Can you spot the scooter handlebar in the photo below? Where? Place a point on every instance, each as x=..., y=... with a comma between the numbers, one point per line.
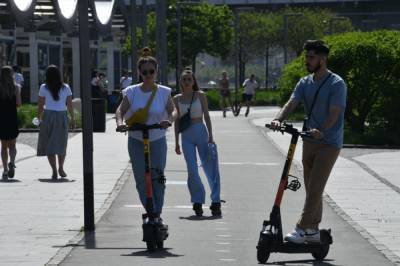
x=288, y=128
x=140, y=127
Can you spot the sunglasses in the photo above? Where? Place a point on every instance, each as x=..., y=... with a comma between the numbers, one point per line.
x=148, y=72
x=187, y=79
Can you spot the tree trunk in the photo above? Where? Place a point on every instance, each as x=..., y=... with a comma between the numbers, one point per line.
x=194, y=64
x=266, y=66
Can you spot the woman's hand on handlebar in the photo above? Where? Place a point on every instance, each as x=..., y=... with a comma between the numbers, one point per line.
x=165, y=124
x=275, y=124
x=122, y=128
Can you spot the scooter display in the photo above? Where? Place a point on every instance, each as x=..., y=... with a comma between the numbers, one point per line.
x=271, y=237
x=154, y=231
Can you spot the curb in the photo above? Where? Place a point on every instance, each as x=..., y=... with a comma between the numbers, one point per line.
x=341, y=213
x=65, y=251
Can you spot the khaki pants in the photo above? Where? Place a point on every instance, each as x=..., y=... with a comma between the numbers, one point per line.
x=318, y=161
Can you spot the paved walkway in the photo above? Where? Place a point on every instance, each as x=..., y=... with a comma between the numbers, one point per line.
x=250, y=170
x=38, y=217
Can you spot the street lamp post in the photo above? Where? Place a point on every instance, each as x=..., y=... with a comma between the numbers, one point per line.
x=237, y=53
x=179, y=37
x=236, y=104
x=285, y=32
x=133, y=42
x=87, y=121
x=144, y=23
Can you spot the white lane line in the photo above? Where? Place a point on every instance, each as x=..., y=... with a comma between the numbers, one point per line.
x=249, y=163
x=227, y=259
x=172, y=182
x=220, y=222
x=165, y=207
x=223, y=243
x=224, y=235
x=223, y=251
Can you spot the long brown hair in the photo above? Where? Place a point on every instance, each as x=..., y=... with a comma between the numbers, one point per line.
x=185, y=72
x=54, y=81
x=7, y=83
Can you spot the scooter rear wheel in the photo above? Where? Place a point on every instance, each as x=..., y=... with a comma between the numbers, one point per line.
x=326, y=241
x=264, y=247
x=160, y=244
x=151, y=246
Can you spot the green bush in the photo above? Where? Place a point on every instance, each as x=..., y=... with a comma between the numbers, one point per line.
x=27, y=112
x=369, y=62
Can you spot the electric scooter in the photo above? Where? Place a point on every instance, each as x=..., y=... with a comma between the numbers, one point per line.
x=154, y=231
x=271, y=238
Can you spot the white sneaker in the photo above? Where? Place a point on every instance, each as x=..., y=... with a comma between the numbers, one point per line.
x=297, y=236
x=313, y=235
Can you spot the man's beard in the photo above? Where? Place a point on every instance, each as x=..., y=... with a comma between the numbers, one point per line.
x=316, y=69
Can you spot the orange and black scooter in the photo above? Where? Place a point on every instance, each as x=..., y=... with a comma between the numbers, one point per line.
x=271, y=237
x=154, y=231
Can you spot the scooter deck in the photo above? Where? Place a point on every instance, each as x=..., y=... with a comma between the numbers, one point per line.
x=288, y=247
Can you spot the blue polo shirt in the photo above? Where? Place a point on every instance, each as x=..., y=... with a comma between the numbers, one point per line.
x=333, y=92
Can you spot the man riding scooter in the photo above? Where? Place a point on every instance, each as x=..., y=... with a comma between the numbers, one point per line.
x=323, y=94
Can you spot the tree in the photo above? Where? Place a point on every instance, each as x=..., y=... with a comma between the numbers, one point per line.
x=312, y=24
x=205, y=28
x=258, y=32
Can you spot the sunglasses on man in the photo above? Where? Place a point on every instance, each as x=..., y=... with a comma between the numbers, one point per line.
x=148, y=72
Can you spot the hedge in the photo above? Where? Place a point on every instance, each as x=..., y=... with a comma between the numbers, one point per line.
x=369, y=62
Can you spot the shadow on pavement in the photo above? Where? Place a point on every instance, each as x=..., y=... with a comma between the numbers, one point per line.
x=9, y=181
x=159, y=254
x=60, y=180
x=200, y=218
x=310, y=262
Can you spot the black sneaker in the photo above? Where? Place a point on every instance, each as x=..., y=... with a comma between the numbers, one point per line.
x=198, y=209
x=216, y=209
x=11, y=171
x=247, y=113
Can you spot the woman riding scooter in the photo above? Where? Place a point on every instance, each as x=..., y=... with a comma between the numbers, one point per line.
x=161, y=110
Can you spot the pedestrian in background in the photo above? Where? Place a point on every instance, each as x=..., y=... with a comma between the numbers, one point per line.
x=10, y=99
x=196, y=135
x=225, y=93
x=55, y=98
x=250, y=85
x=18, y=77
x=126, y=79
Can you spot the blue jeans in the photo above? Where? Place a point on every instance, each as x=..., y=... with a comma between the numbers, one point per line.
x=158, y=158
x=196, y=136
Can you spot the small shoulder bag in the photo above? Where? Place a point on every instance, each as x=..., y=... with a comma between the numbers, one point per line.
x=305, y=121
x=185, y=121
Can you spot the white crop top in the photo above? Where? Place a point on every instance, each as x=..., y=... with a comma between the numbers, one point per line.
x=50, y=103
x=196, y=111
x=157, y=112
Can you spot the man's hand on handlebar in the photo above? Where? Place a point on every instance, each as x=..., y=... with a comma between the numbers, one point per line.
x=316, y=134
x=165, y=124
x=275, y=124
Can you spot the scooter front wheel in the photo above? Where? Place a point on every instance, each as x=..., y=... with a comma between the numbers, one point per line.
x=326, y=241
x=264, y=247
